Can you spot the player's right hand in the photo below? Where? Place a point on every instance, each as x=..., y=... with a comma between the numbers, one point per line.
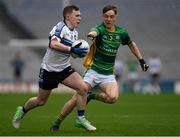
x=92, y=35
x=81, y=52
x=143, y=64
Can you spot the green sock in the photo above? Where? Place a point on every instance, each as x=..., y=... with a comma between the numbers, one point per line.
x=57, y=122
x=92, y=95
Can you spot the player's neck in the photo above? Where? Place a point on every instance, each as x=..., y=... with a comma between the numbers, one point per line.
x=68, y=24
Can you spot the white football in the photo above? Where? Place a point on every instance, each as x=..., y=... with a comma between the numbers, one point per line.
x=84, y=44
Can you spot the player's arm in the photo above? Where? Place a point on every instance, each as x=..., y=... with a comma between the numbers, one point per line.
x=135, y=50
x=57, y=45
x=56, y=36
x=93, y=33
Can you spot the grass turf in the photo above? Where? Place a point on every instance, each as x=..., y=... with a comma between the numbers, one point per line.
x=131, y=115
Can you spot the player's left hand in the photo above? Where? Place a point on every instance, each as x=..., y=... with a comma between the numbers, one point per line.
x=143, y=64
x=81, y=52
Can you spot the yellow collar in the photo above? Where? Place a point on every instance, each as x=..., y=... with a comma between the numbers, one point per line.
x=112, y=29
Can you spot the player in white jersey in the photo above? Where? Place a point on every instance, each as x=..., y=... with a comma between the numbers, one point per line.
x=155, y=70
x=56, y=67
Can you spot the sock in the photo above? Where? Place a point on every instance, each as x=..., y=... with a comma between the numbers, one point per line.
x=57, y=122
x=61, y=117
x=91, y=95
x=80, y=114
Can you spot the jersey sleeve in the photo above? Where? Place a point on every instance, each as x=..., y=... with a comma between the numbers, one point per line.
x=96, y=29
x=126, y=40
x=57, y=32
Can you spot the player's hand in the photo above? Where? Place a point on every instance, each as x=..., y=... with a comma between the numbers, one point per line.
x=81, y=52
x=92, y=35
x=143, y=64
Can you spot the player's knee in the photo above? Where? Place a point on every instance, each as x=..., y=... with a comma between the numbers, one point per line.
x=113, y=99
x=84, y=89
x=74, y=99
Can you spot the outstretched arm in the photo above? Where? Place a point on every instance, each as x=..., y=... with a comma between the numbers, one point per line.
x=135, y=50
x=92, y=34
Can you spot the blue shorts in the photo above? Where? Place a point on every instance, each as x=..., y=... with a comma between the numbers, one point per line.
x=51, y=80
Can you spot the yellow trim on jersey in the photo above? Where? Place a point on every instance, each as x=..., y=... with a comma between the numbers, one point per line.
x=113, y=29
x=89, y=57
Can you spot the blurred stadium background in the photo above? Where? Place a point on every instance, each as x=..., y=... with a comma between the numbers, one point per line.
x=153, y=24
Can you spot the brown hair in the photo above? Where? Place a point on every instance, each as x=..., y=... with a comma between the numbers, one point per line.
x=109, y=7
x=69, y=9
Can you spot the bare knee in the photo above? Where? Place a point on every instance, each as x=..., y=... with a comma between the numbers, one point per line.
x=84, y=89
x=74, y=99
x=112, y=99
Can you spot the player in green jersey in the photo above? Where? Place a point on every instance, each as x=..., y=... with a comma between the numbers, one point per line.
x=100, y=62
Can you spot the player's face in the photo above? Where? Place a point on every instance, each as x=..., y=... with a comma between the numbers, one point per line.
x=109, y=18
x=74, y=18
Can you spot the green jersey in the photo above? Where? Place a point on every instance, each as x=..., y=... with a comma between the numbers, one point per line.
x=101, y=57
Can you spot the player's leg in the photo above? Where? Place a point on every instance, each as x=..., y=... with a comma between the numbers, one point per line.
x=40, y=100
x=90, y=77
x=107, y=84
x=64, y=112
x=79, y=100
x=68, y=107
x=33, y=102
x=46, y=84
x=75, y=81
x=110, y=92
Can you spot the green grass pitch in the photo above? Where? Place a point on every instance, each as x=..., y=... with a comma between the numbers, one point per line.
x=131, y=115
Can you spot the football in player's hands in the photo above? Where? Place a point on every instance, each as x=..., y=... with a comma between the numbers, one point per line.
x=79, y=48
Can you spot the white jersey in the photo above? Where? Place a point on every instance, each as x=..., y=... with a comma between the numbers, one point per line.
x=56, y=60
x=155, y=65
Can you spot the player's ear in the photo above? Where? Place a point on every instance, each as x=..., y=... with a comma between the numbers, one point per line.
x=67, y=17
